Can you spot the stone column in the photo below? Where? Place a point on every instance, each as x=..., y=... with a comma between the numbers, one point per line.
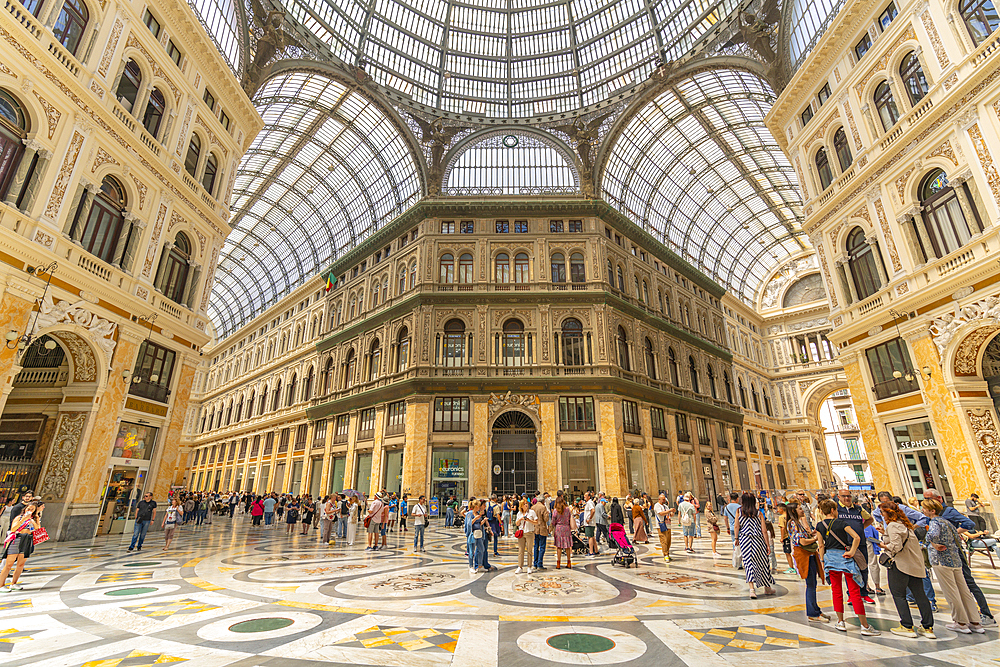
x=191, y=291
x=52, y=13
x=127, y=229
x=415, y=478
x=128, y=258
x=908, y=225
x=76, y=229
x=914, y=213
x=42, y=166
x=963, y=200
x=31, y=147
x=612, y=474
x=158, y=276
x=14, y=310
x=548, y=452
x=480, y=476
x=872, y=242
x=877, y=445
x=843, y=270
x=378, y=470
x=169, y=467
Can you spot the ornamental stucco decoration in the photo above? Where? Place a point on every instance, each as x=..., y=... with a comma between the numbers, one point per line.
x=984, y=311
x=988, y=440
x=785, y=275
x=67, y=439
x=100, y=330
x=527, y=402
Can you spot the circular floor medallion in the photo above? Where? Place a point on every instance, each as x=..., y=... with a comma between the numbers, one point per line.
x=580, y=642
x=145, y=563
x=261, y=624
x=142, y=590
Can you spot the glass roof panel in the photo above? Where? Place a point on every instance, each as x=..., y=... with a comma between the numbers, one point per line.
x=709, y=191
x=810, y=19
x=328, y=168
x=502, y=163
x=221, y=20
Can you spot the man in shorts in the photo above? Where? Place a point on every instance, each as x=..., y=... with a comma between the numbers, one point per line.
x=590, y=524
x=374, y=519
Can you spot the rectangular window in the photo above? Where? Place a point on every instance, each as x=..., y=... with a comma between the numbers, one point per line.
x=630, y=418
x=737, y=442
x=659, y=423
x=775, y=447
x=174, y=53
x=209, y=99
x=286, y=435
x=556, y=226
x=153, y=369
x=702, y=425
x=151, y=22
x=520, y=226
x=468, y=227
x=576, y=413
x=885, y=361
x=268, y=443
x=824, y=93
x=751, y=443
x=451, y=414
x=366, y=424
x=395, y=418
x=861, y=48
x=448, y=227
x=255, y=447
x=683, y=435
x=807, y=115
x=343, y=425
x=852, y=448
x=319, y=433
x=763, y=444
x=575, y=226
x=886, y=17
x=503, y=227
x=301, y=434
x=224, y=119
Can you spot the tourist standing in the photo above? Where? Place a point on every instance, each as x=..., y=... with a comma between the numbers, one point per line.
x=905, y=571
x=562, y=530
x=171, y=518
x=525, y=533
x=944, y=550
x=291, y=516
x=601, y=521
x=269, y=506
x=840, y=544
x=639, y=523
x=257, y=510
x=328, y=514
x=662, y=512
x=749, y=531
x=804, y=542
x=541, y=532
x=19, y=544
x=145, y=513
x=419, y=514
x=713, y=526
x=688, y=513
x=353, y=512
x=731, y=512
x=474, y=534
x=858, y=519
x=493, y=518
x=372, y=522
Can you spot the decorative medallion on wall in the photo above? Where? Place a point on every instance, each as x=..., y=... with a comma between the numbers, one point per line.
x=527, y=402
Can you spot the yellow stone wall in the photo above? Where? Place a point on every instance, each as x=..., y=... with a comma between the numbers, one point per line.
x=415, y=458
x=548, y=454
x=612, y=474
x=480, y=475
x=877, y=447
x=170, y=468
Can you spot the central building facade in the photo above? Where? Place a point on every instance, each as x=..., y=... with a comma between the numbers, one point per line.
x=472, y=347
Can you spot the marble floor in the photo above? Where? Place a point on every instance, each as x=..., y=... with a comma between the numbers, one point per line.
x=236, y=595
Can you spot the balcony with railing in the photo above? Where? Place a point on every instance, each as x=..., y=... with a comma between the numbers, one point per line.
x=895, y=387
x=150, y=390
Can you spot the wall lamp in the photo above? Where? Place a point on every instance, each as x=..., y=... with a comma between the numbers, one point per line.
x=22, y=341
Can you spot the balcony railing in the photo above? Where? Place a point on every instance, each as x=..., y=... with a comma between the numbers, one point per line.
x=895, y=387
x=150, y=390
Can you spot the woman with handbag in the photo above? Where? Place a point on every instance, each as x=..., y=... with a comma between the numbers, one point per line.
x=806, y=559
x=713, y=526
x=639, y=535
x=562, y=529
x=524, y=531
x=945, y=552
x=904, y=562
x=840, y=544
x=750, y=533
x=353, y=510
x=18, y=545
x=475, y=535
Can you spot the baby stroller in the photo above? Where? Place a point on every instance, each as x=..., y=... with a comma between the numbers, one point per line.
x=625, y=556
x=580, y=548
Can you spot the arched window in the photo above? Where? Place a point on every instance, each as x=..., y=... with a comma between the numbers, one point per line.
x=173, y=283
x=611, y=273
x=572, y=343
x=621, y=280
x=374, y=360
x=71, y=25
x=153, y=116
x=312, y=329
x=13, y=132
x=711, y=382
x=650, y=358
x=503, y=268
x=638, y=294
x=521, y=268
x=862, y=264
x=980, y=17
x=577, y=269
x=756, y=397
x=349, y=365
x=645, y=293
x=33, y=6
x=413, y=275
x=672, y=367
x=307, y=387
x=729, y=386
x=843, y=150
x=250, y=402
x=276, y=396
x=375, y=293
x=743, y=394
x=328, y=377
x=558, y=265
x=886, y=106
x=942, y=213
x=105, y=221
x=290, y=396
x=193, y=156
x=447, y=274
x=298, y=336
x=402, y=281
x=211, y=171
x=513, y=343
x=623, y=356
x=453, y=350
x=693, y=370
x=354, y=304
x=263, y=401
x=914, y=81
x=129, y=84
x=767, y=403
x=823, y=169
x=465, y=269
x=403, y=350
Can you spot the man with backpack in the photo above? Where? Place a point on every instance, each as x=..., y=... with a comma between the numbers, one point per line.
x=493, y=519
x=731, y=511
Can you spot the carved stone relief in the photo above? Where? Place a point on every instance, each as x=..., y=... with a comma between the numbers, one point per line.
x=69, y=431
x=529, y=402
x=62, y=180
x=52, y=115
x=100, y=330
x=988, y=440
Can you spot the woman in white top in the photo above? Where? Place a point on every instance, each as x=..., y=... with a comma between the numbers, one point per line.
x=352, y=520
x=526, y=519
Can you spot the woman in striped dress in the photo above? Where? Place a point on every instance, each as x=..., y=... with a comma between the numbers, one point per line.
x=753, y=546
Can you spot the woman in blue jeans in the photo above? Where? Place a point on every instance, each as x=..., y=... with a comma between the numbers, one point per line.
x=475, y=534
x=419, y=514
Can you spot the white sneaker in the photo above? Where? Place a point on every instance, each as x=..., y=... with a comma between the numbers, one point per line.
x=529, y=570
x=473, y=570
x=964, y=629
x=517, y=571
x=869, y=631
x=840, y=625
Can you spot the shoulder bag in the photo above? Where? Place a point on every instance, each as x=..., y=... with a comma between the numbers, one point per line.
x=40, y=535
x=887, y=561
x=860, y=559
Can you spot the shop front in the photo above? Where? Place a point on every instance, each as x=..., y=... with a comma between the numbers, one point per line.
x=130, y=456
x=449, y=474
x=579, y=471
x=921, y=466
x=393, y=480
x=363, y=474
x=709, y=478
x=337, y=467
x=662, y=460
x=633, y=471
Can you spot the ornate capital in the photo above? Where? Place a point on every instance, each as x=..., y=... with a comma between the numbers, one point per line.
x=45, y=154
x=871, y=239
x=873, y=194
x=32, y=145
x=911, y=212
x=961, y=177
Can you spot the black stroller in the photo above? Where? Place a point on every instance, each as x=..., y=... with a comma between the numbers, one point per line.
x=625, y=555
x=580, y=547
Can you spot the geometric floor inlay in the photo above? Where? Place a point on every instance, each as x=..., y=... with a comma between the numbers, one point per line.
x=161, y=610
x=428, y=640
x=134, y=659
x=752, y=638
x=11, y=636
x=124, y=576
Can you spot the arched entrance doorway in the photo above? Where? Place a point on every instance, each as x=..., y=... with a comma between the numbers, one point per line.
x=515, y=454
x=991, y=371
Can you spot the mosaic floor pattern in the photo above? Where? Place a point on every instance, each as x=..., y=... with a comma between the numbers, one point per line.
x=235, y=595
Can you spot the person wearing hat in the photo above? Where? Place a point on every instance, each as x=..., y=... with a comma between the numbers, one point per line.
x=686, y=510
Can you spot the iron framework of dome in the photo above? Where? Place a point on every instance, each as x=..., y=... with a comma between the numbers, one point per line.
x=368, y=106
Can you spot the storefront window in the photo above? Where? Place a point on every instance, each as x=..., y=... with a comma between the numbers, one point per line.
x=449, y=474
x=337, y=475
x=363, y=474
x=579, y=471
x=633, y=470
x=919, y=458
x=262, y=486
x=394, y=471
x=662, y=471
x=134, y=441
